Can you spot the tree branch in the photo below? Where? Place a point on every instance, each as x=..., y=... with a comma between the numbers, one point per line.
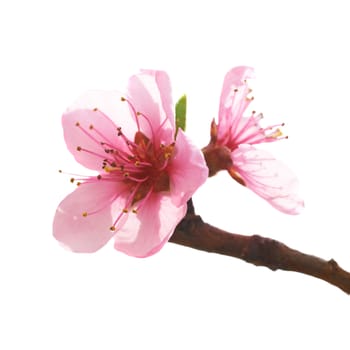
x=193, y=232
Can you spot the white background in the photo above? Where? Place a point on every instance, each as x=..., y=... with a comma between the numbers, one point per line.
x=180, y=298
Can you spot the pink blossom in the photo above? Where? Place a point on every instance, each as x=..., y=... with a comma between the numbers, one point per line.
x=144, y=176
x=231, y=146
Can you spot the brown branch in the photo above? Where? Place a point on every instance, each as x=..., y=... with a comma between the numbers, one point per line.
x=193, y=232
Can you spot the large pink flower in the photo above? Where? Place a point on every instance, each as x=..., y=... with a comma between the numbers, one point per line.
x=231, y=147
x=144, y=176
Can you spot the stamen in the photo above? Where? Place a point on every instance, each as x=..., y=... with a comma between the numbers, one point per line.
x=142, y=202
x=149, y=124
x=133, y=111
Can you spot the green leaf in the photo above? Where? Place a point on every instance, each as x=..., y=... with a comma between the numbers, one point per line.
x=180, y=113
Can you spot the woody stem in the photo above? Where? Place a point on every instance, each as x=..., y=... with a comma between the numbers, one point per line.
x=193, y=232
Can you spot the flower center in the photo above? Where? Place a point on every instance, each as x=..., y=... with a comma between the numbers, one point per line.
x=144, y=169
x=140, y=164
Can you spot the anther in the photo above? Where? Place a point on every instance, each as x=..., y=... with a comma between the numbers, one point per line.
x=138, y=113
x=85, y=214
x=79, y=148
x=123, y=99
x=112, y=228
x=99, y=177
x=95, y=109
x=72, y=180
x=77, y=124
x=60, y=171
x=134, y=211
x=91, y=127
x=125, y=210
x=78, y=183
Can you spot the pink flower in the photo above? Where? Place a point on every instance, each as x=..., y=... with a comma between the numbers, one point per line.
x=231, y=147
x=144, y=176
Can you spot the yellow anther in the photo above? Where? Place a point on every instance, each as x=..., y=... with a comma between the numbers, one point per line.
x=277, y=133
x=85, y=214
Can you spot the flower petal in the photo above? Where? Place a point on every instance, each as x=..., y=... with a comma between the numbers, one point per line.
x=150, y=94
x=109, y=103
x=233, y=100
x=146, y=232
x=268, y=177
x=187, y=171
x=84, y=131
x=90, y=233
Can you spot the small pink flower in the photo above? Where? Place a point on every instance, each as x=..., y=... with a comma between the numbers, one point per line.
x=144, y=176
x=231, y=147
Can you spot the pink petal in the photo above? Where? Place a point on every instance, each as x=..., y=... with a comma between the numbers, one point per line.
x=92, y=153
x=233, y=104
x=86, y=234
x=187, y=171
x=111, y=104
x=146, y=232
x=268, y=177
x=150, y=94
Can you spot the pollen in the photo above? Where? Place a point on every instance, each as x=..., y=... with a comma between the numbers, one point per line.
x=276, y=133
